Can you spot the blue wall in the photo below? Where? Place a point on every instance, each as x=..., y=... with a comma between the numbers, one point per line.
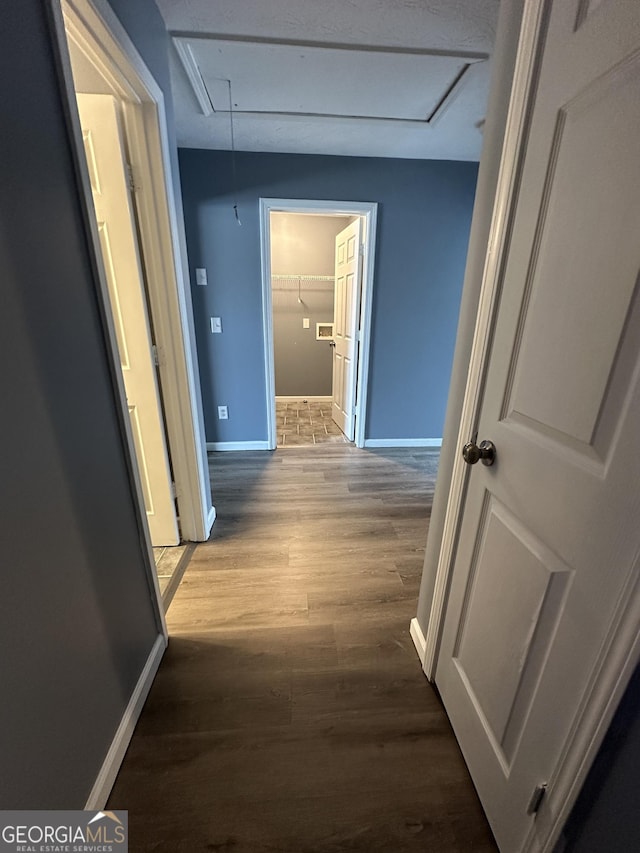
x=78, y=622
x=424, y=216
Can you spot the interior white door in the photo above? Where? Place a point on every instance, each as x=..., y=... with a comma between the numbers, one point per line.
x=550, y=540
x=348, y=272
x=103, y=142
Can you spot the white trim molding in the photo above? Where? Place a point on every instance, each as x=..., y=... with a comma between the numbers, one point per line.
x=418, y=638
x=190, y=65
x=238, y=445
x=403, y=442
x=113, y=760
x=369, y=212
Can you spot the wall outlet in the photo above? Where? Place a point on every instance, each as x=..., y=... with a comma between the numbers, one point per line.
x=201, y=277
x=305, y=322
x=223, y=413
x=216, y=325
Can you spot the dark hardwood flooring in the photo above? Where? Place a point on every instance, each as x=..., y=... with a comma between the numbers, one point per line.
x=290, y=712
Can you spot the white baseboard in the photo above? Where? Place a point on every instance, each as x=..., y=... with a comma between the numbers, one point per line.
x=111, y=765
x=238, y=445
x=211, y=519
x=280, y=399
x=403, y=442
x=418, y=639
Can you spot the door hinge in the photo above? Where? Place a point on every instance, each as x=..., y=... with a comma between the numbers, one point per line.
x=536, y=798
x=174, y=491
x=361, y=250
x=156, y=357
x=132, y=182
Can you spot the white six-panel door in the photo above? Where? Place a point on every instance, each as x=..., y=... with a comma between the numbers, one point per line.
x=550, y=540
x=346, y=320
x=106, y=162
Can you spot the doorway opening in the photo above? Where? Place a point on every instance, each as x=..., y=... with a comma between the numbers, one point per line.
x=108, y=155
x=317, y=285
x=303, y=259
x=120, y=137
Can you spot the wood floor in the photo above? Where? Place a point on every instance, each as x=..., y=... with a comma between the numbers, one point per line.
x=171, y=562
x=290, y=712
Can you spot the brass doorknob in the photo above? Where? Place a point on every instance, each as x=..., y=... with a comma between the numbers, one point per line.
x=485, y=453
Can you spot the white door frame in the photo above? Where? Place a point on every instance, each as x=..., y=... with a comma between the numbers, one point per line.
x=96, y=29
x=621, y=652
x=368, y=210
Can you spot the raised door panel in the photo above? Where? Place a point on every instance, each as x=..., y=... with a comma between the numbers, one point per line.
x=584, y=336
x=339, y=328
x=114, y=296
x=517, y=579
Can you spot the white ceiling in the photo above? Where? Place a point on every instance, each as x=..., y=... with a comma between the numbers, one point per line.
x=376, y=78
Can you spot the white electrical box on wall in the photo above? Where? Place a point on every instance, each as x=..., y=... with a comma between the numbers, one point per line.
x=324, y=331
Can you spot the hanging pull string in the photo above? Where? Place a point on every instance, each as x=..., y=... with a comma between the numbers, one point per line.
x=234, y=178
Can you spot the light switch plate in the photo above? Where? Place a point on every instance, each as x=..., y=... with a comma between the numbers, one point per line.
x=305, y=322
x=216, y=325
x=201, y=277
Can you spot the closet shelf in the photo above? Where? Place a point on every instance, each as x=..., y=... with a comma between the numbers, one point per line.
x=302, y=283
x=302, y=277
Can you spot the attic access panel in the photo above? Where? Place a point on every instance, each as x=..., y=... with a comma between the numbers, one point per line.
x=318, y=80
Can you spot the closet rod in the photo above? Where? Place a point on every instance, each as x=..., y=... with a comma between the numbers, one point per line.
x=304, y=277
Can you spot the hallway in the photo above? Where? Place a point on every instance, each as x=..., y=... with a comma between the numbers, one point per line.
x=290, y=712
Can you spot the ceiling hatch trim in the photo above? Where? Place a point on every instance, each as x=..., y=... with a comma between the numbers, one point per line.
x=306, y=79
x=190, y=66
